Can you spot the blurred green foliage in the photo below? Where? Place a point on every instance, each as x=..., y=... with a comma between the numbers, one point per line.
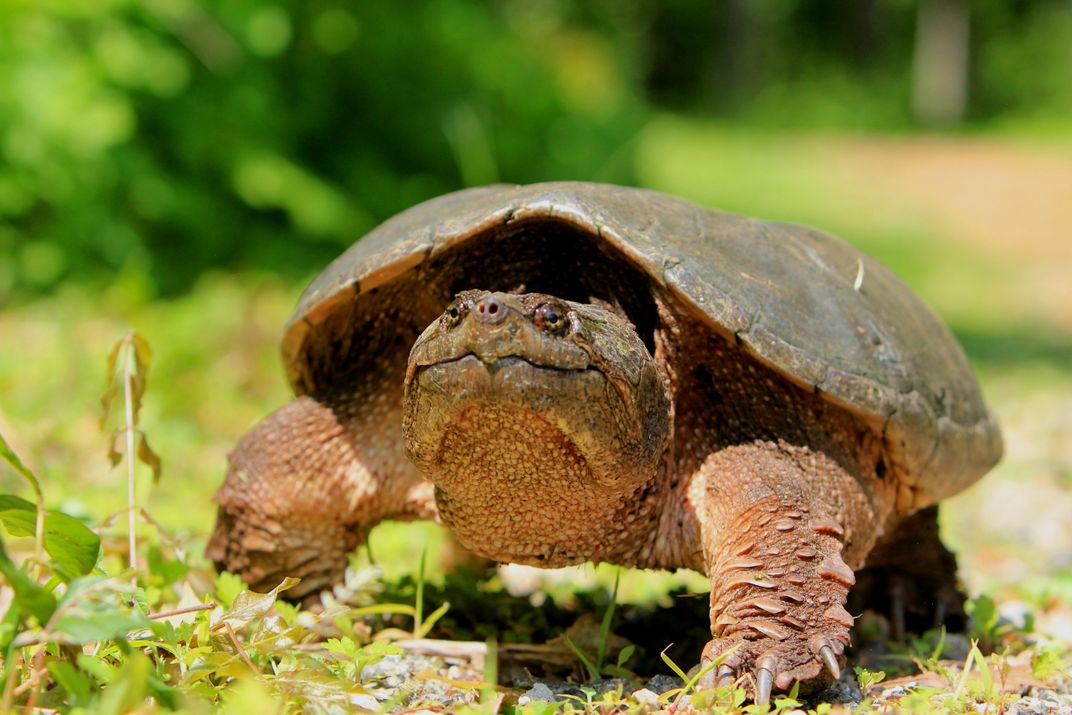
x=145, y=141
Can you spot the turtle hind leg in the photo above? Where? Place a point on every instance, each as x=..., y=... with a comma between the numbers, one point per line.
x=910, y=577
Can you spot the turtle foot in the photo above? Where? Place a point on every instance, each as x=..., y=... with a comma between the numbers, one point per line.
x=769, y=665
x=778, y=609
x=910, y=578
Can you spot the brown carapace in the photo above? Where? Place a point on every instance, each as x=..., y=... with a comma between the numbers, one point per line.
x=671, y=388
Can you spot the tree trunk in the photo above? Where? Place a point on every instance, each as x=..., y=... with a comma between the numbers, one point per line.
x=941, y=62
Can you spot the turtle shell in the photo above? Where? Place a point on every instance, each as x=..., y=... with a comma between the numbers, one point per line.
x=806, y=304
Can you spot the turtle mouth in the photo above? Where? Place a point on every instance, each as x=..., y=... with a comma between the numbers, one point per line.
x=494, y=365
x=515, y=378
x=494, y=361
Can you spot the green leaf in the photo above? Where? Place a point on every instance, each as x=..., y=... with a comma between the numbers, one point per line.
x=18, y=515
x=94, y=609
x=433, y=618
x=143, y=358
x=1049, y=661
x=868, y=678
x=148, y=457
x=228, y=586
x=126, y=691
x=673, y=666
x=342, y=646
x=608, y=616
x=100, y=669
x=984, y=615
x=593, y=671
x=95, y=623
x=166, y=571
x=29, y=597
x=115, y=448
x=625, y=654
x=374, y=652
x=248, y=606
x=73, y=546
x=76, y=683
x=9, y=456
x=112, y=390
x=9, y=627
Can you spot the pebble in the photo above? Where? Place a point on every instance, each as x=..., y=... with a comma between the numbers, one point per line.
x=645, y=697
x=537, y=693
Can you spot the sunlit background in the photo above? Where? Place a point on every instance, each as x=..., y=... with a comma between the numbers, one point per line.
x=184, y=169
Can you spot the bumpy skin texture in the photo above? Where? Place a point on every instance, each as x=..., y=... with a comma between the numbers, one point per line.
x=596, y=414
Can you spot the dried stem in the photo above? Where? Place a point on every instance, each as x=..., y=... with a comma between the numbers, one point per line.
x=180, y=611
x=128, y=398
x=9, y=685
x=241, y=651
x=34, y=677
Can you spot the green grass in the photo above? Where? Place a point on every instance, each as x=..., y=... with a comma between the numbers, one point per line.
x=216, y=372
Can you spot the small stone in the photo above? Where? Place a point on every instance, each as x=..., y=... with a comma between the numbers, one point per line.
x=537, y=693
x=662, y=683
x=645, y=697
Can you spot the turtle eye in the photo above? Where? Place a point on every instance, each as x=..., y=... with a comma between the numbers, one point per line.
x=454, y=314
x=550, y=319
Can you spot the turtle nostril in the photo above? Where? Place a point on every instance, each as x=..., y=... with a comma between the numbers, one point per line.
x=490, y=309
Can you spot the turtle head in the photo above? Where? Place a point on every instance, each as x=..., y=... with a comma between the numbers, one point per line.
x=504, y=387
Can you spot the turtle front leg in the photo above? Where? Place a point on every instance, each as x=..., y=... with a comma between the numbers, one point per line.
x=783, y=528
x=303, y=489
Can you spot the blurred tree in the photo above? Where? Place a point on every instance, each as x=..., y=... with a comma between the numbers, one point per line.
x=151, y=139
x=869, y=64
x=941, y=61
x=165, y=137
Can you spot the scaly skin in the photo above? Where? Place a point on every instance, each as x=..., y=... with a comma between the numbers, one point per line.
x=306, y=484
x=556, y=438
x=779, y=519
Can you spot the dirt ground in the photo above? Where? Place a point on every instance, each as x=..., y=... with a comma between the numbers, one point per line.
x=1008, y=202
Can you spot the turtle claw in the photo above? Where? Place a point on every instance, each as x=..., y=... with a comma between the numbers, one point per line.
x=726, y=676
x=826, y=654
x=764, y=680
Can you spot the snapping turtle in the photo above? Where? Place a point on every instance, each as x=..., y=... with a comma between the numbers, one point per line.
x=568, y=372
